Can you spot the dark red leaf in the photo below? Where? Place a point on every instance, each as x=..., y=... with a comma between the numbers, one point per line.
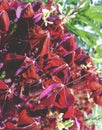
x=31, y=73
x=53, y=62
x=4, y=5
x=59, y=68
x=37, y=6
x=11, y=57
x=12, y=63
x=79, y=53
x=49, y=82
x=22, y=69
x=47, y=102
x=3, y=86
x=27, y=12
x=98, y=100
x=10, y=125
x=4, y=21
x=62, y=72
x=46, y=46
x=93, y=85
x=38, y=36
x=55, y=29
x=70, y=43
x=24, y=119
x=69, y=58
x=46, y=128
x=49, y=4
x=69, y=113
x=64, y=99
x=49, y=90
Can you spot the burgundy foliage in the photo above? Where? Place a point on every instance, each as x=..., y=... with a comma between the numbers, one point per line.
x=45, y=70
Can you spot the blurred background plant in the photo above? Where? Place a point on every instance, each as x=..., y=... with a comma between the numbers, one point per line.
x=84, y=19
x=95, y=118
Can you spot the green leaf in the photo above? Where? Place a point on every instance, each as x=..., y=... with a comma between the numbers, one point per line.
x=90, y=23
x=74, y=2
x=97, y=60
x=68, y=123
x=98, y=52
x=85, y=7
x=94, y=9
x=95, y=13
x=88, y=37
x=28, y=0
x=95, y=16
x=3, y=74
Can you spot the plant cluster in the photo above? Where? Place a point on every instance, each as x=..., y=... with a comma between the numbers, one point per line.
x=47, y=81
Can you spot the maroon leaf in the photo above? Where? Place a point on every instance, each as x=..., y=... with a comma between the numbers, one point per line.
x=22, y=69
x=46, y=46
x=12, y=63
x=53, y=61
x=58, y=69
x=70, y=44
x=4, y=21
x=69, y=58
x=10, y=57
x=79, y=53
x=98, y=100
x=10, y=125
x=3, y=86
x=49, y=3
x=37, y=6
x=69, y=113
x=4, y=5
x=62, y=72
x=27, y=12
x=56, y=33
x=64, y=99
x=24, y=119
x=93, y=85
x=48, y=90
x=47, y=102
x=37, y=38
x=30, y=73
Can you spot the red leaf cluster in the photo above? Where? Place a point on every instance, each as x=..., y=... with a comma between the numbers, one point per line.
x=45, y=70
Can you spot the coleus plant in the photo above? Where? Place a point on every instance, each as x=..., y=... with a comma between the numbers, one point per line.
x=47, y=81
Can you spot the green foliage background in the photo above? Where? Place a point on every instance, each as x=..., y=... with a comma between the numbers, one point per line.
x=84, y=19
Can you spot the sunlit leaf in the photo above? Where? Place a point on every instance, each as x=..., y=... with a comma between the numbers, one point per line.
x=95, y=13
x=90, y=23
